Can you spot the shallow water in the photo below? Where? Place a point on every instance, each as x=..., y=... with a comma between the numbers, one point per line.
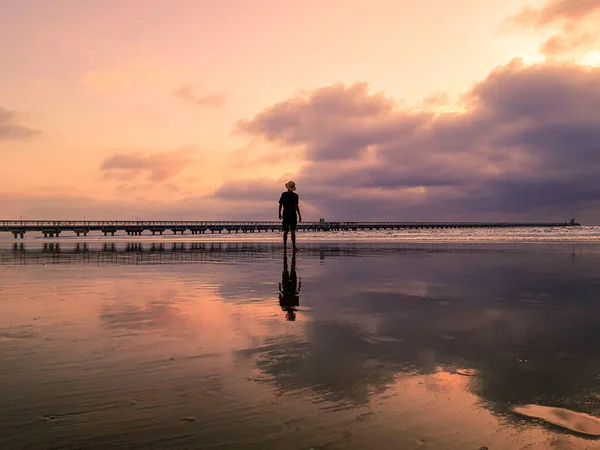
x=375, y=345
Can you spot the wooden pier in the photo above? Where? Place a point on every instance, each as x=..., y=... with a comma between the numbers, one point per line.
x=53, y=228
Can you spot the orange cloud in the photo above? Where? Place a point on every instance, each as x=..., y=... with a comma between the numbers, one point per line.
x=158, y=166
x=578, y=20
x=557, y=10
x=188, y=92
x=11, y=129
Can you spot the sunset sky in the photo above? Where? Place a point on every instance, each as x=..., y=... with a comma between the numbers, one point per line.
x=379, y=109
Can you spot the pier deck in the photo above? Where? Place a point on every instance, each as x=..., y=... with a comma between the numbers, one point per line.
x=53, y=228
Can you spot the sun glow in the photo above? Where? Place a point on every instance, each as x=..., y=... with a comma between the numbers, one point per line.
x=591, y=59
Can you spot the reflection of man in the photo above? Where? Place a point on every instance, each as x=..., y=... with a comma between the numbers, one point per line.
x=289, y=289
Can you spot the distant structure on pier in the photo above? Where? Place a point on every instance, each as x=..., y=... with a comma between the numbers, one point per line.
x=53, y=228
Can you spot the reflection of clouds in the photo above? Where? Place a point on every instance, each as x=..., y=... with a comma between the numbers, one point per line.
x=507, y=327
x=238, y=283
x=335, y=375
x=153, y=313
x=413, y=288
x=525, y=322
x=516, y=349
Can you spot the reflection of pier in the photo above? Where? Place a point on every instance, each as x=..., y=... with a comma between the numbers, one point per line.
x=132, y=252
x=53, y=228
x=181, y=252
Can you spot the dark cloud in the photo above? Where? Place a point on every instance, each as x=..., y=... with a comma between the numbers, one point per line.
x=158, y=166
x=187, y=92
x=576, y=18
x=10, y=129
x=334, y=122
x=524, y=140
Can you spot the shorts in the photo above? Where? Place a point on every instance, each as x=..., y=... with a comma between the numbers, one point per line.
x=288, y=224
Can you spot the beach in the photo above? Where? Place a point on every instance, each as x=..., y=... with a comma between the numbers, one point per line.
x=435, y=162
x=211, y=343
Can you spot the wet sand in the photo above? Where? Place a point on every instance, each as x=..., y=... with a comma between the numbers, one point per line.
x=368, y=346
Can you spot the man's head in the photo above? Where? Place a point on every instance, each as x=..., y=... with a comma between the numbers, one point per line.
x=290, y=185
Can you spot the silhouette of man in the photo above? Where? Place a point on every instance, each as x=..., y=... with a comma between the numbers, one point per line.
x=289, y=202
x=289, y=289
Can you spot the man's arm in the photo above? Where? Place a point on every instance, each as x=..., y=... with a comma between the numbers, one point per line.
x=280, y=205
x=298, y=211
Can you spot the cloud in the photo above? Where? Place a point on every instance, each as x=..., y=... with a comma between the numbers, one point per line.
x=577, y=19
x=188, y=92
x=329, y=122
x=555, y=11
x=158, y=167
x=565, y=43
x=521, y=144
x=10, y=129
x=525, y=140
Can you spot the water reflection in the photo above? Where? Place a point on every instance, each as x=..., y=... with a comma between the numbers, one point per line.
x=289, y=289
x=523, y=327
x=72, y=252
x=414, y=342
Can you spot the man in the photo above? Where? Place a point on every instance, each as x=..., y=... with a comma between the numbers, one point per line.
x=289, y=202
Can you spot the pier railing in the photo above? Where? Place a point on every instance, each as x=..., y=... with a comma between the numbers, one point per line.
x=94, y=223
x=52, y=228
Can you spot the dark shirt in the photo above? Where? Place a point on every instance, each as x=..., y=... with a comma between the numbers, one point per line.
x=289, y=200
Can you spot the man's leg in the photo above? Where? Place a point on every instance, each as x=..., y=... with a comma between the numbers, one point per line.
x=285, y=232
x=293, y=239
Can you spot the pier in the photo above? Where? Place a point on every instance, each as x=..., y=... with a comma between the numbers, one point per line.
x=54, y=228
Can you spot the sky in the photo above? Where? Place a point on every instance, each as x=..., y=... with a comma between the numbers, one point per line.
x=379, y=109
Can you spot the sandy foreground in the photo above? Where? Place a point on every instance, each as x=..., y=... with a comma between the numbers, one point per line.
x=386, y=350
